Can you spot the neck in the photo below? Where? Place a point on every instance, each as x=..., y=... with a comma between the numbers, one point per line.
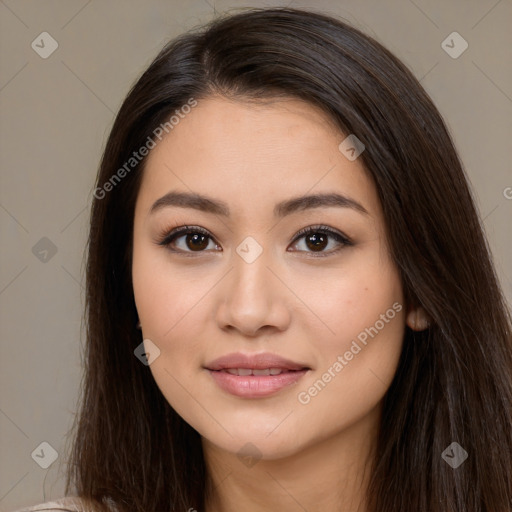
x=328, y=475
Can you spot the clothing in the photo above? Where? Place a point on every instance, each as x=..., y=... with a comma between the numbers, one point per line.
x=62, y=505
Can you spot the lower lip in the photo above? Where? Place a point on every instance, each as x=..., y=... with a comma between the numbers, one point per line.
x=255, y=386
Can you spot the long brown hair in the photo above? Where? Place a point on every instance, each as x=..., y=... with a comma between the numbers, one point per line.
x=453, y=383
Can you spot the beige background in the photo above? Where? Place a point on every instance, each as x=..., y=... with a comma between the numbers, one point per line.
x=55, y=116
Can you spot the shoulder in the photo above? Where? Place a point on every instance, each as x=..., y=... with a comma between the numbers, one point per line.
x=62, y=505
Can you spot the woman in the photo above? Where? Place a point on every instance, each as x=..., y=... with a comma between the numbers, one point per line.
x=291, y=303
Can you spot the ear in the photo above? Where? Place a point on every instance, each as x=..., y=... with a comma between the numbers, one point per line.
x=417, y=318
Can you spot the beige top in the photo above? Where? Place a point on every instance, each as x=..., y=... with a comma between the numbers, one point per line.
x=63, y=505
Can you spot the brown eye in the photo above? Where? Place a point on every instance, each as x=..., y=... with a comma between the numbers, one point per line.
x=317, y=239
x=195, y=239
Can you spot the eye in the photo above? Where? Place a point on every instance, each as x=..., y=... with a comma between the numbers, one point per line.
x=195, y=239
x=316, y=238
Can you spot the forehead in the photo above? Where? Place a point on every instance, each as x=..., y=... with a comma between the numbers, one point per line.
x=269, y=128
x=250, y=154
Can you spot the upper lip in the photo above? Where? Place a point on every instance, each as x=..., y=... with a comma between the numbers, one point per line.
x=255, y=362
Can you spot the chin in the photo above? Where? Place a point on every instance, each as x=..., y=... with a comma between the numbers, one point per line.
x=256, y=439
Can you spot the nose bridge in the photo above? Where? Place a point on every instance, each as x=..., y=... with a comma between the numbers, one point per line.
x=251, y=277
x=252, y=299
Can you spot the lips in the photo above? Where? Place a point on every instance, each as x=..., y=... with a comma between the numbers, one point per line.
x=254, y=371
x=255, y=376
x=265, y=361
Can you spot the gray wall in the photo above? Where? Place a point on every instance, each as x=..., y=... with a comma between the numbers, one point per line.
x=56, y=113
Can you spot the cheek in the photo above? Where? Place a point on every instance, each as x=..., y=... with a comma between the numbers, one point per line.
x=359, y=353
x=351, y=301
x=166, y=297
x=358, y=362
x=169, y=305
x=174, y=308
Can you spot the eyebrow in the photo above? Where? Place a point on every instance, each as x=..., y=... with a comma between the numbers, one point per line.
x=289, y=206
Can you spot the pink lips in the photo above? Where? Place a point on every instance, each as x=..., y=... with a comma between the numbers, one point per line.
x=255, y=376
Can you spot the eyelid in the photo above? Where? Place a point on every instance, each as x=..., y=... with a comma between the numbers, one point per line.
x=341, y=238
x=321, y=228
x=169, y=236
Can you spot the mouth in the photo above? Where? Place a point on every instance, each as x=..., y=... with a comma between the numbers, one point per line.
x=244, y=372
x=255, y=376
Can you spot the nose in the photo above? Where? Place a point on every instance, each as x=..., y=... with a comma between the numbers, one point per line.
x=252, y=300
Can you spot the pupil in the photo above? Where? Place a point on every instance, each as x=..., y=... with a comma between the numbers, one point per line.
x=197, y=237
x=318, y=240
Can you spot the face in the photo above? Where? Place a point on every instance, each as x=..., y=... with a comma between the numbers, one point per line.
x=279, y=320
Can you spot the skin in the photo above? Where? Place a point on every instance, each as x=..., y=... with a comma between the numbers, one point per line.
x=289, y=301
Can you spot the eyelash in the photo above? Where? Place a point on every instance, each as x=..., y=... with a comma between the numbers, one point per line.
x=168, y=237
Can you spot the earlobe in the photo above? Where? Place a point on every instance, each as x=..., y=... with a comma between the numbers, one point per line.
x=417, y=319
